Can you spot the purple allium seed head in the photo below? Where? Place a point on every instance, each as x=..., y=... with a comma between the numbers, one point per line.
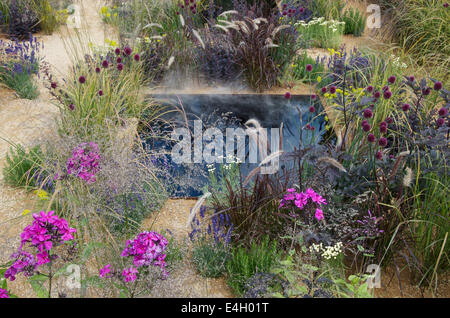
x=285, y=6
x=440, y=122
x=426, y=91
x=412, y=78
x=383, y=129
x=369, y=88
x=117, y=51
x=313, y=97
x=323, y=90
x=385, y=88
x=284, y=13
x=100, y=93
x=127, y=50
x=308, y=127
x=371, y=138
x=364, y=122
x=367, y=113
x=53, y=85
x=97, y=69
x=302, y=10
x=382, y=142
x=312, y=109
x=105, y=64
x=287, y=95
x=437, y=86
x=82, y=79
x=446, y=5
x=406, y=107
x=392, y=79
x=333, y=89
x=120, y=66
x=379, y=155
x=443, y=112
x=309, y=68
x=119, y=60
x=71, y=106
x=366, y=127
x=137, y=57
x=389, y=120
x=387, y=94
x=377, y=94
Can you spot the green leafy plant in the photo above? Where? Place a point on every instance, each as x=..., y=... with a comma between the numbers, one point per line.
x=355, y=287
x=354, y=22
x=22, y=167
x=244, y=263
x=299, y=72
x=320, y=33
x=330, y=9
x=210, y=257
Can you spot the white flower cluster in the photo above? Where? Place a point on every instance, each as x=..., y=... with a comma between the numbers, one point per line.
x=332, y=24
x=396, y=61
x=327, y=252
x=230, y=160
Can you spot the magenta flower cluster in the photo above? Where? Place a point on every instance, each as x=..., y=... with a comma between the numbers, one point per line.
x=46, y=232
x=147, y=249
x=301, y=199
x=3, y=293
x=84, y=162
x=189, y=4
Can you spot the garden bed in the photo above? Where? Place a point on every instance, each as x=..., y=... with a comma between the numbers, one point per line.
x=92, y=114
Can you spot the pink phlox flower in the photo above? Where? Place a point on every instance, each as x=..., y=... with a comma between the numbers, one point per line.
x=319, y=215
x=3, y=293
x=42, y=258
x=105, y=271
x=130, y=274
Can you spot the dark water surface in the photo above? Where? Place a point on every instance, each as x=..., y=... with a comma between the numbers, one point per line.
x=231, y=111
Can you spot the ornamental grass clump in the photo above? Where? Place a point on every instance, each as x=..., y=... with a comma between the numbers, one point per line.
x=255, y=42
x=83, y=109
x=321, y=33
x=111, y=181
